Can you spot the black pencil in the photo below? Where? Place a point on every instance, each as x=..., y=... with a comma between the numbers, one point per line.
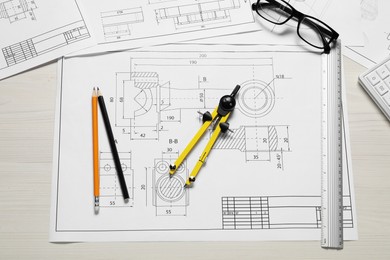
x=114, y=151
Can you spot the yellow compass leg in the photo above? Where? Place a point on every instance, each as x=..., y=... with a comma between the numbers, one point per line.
x=192, y=143
x=206, y=151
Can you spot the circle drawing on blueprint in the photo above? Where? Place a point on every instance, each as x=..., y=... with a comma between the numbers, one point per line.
x=124, y=167
x=256, y=99
x=107, y=167
x=162, y=167
x=181, y=168
x=170, y=189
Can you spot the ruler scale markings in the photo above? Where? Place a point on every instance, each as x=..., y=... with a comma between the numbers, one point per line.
x=331, y=172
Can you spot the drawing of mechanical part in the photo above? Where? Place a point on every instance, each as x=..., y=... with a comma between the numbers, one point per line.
x=256, y=98
x=259, y=143
x=169, y=195
x=200, y=14
x=16, y=10
x=136, y=104
x=144, y=104
x=117, y=24
x=110, y=190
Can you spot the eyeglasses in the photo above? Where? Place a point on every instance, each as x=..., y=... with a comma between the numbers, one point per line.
x=313, y=31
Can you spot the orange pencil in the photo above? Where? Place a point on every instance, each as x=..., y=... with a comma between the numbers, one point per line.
x=95, y=139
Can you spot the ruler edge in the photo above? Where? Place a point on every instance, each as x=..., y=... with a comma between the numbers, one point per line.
x=333, y=79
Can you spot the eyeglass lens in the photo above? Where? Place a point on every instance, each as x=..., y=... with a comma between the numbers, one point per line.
x=274, y=11
x=310, y=31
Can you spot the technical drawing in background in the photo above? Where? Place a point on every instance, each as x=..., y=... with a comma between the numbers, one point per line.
x=110, y=190
x=375, y=28
x=170, y=197
x=45, y=43
x=147, y=22
x=117, y=24
x=369, y=12
x=16, y=10
x=58, y=28
x=198, y=14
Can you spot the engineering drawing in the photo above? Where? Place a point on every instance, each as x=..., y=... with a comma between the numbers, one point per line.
x=200, y=13
x=110, y=190
x=44, y=43
x=117, y=24
x=147, y=105
x=150, y=22
x=261, y=180
x=169, y=195
x=260, y=143
x=16, y=10
x=39, y=31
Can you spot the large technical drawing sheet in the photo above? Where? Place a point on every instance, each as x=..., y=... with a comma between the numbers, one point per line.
x=126, y=24
x=260, y=182
x=37, y=31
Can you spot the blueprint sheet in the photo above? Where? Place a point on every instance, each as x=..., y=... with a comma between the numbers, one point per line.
x=126, y=24
x=261, y=182
x=37, y=31
x=129, y=24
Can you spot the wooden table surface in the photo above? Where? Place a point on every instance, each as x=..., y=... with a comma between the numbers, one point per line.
x=27, y=104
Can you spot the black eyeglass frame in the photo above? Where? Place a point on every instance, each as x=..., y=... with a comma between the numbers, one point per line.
x=332, y=34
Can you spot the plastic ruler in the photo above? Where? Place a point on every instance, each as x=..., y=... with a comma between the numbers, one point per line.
x=331, y=152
